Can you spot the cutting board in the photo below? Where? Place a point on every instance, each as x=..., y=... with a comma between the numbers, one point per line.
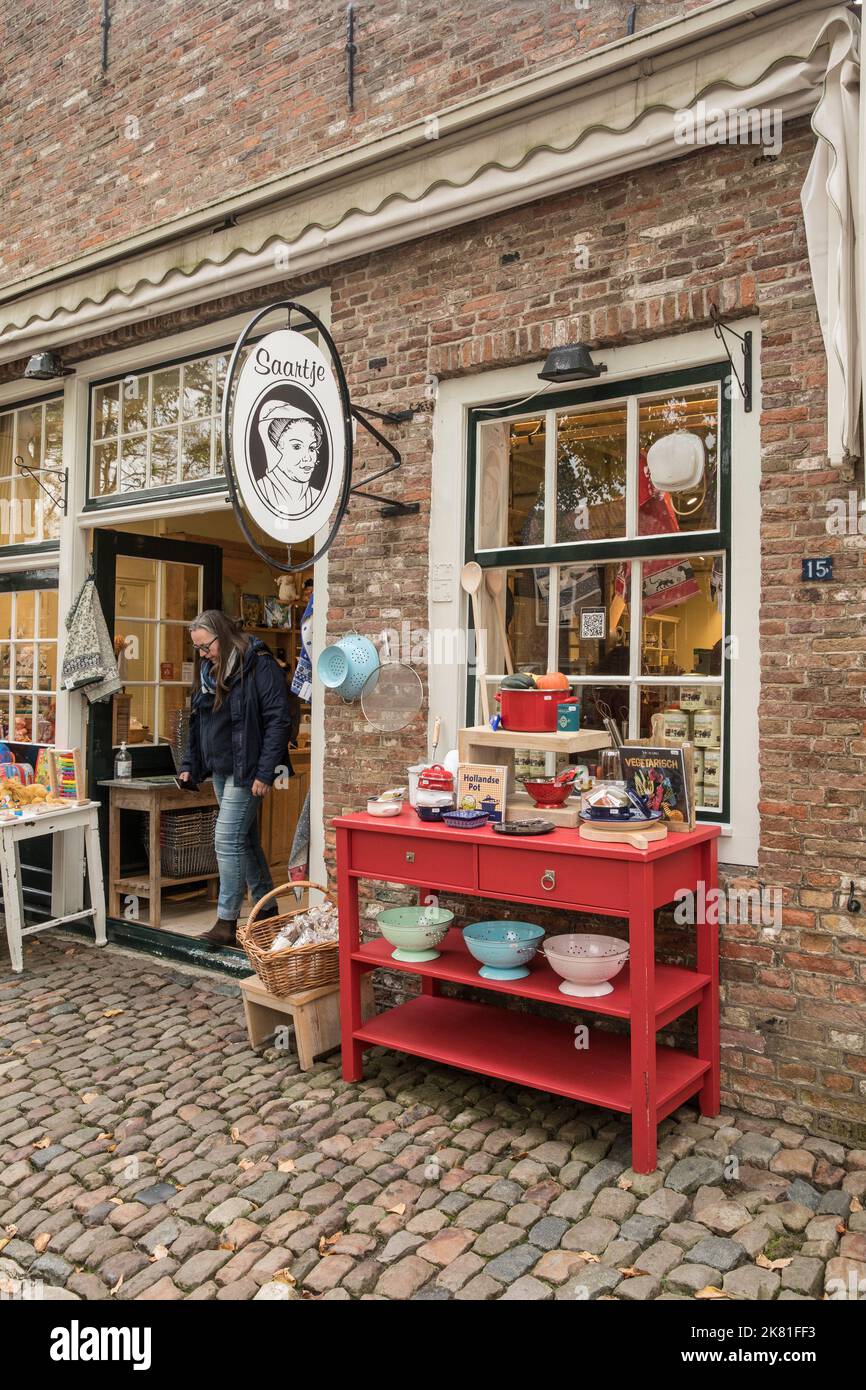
x=638, y=839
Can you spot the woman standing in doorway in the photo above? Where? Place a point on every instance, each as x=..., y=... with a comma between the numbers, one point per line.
x=238, y=736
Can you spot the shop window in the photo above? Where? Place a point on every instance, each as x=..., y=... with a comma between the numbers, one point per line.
x=156, y=600
x=157, y=429
x=31, y=435
x=28, y=665
x=608, y=514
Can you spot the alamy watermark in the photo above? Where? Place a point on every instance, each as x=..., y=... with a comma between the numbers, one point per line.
x=704, y=125
x=713, y=907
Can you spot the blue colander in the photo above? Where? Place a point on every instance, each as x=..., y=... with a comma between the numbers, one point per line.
x=347, y=665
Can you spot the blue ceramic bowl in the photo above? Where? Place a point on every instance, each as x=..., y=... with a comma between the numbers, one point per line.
x=504, y=948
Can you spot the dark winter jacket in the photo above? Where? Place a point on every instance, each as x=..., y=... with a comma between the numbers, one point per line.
x=260, y=718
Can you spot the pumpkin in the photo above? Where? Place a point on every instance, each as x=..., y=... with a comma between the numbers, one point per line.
x=554, y=680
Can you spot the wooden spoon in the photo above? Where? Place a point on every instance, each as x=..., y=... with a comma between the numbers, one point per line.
x=471, y=579
x=495, y=580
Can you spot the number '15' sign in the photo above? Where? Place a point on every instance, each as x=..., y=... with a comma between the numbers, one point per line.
x=817, y=569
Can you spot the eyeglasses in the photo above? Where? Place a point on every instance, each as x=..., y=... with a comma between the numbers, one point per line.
x=203, y=651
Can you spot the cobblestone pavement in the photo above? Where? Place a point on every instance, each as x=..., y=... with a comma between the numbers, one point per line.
x=147, y=1153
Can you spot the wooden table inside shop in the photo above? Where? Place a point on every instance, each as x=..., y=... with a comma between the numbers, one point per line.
x=151, y=798
x=629, y=1072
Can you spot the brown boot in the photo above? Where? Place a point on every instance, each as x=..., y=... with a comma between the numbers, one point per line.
x=223, y=933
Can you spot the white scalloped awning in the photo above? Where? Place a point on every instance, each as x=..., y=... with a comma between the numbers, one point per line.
x=798, y=60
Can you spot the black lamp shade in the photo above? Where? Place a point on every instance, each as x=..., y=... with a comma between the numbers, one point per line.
x=573, y=362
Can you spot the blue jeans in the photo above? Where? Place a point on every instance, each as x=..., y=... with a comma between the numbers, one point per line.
x=238, y=848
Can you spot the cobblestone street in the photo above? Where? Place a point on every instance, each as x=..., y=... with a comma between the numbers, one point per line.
x=148, y=1154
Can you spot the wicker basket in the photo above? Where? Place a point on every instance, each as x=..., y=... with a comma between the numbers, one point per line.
x=186, y=843
x=296, y=967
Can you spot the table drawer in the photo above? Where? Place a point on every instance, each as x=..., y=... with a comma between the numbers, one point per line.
x=556, y=878
x=413, y=860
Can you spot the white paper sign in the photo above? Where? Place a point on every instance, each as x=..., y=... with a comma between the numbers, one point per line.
x=288, y=436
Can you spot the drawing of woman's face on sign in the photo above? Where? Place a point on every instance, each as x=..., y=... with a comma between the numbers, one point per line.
x=288, y=439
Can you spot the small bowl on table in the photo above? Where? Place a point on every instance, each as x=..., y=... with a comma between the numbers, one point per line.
x=415, y=932
x=586, y=962
x=504, y=948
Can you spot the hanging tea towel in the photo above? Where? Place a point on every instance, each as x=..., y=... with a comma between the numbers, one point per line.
x=89, y=662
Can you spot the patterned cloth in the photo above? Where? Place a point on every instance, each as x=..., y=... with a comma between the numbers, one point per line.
x=89, y=662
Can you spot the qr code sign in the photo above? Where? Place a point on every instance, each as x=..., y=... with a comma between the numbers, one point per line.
x=592, y=623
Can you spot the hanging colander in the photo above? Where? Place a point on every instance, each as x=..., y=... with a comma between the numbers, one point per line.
x=348, y=665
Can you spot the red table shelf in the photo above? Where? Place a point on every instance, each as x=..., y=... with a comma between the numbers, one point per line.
x=530, y=1051
x=630, y=1072
x=677, y=989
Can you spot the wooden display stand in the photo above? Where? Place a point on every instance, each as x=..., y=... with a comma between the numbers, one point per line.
x=483, y=745
x=314, y=1014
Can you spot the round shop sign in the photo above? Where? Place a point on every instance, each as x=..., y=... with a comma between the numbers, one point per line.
x=288, y=436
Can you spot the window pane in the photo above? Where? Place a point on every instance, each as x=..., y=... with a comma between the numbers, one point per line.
x=139, y=640
x=590, y=474
x=48, y=613
x=25, y=614
x=525, y=607
x=135, y=590
x=105, y=411
x=22, y=668
x=5, y=717
x=511, y=483
x=175, y=648
x=22, y=718
x=594, y=620
x=133, y=403
x=133, y=463
x=195, y=451
x=163, y=458
x=140, y=713
x=171, y=698
x=47, y=666
x=5, y=664
x=166, y=396
x=25, y=511
x=104, y=469
x=46, y=715
x=29, y=443
x=596, y=701
x=180, y=592
x=678, y=480
x=197, y=390
x=53, y=437
x=683, y=623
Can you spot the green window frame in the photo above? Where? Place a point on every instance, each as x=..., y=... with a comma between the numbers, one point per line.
x=628, y=551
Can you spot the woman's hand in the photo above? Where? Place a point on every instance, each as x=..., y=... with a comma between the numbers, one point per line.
x=183, y=777
x=260, y=788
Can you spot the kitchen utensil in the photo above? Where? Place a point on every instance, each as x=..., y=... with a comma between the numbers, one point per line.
x=415, y=932
x=586, y=962
x=348, y=666
x=394, y=695
x=429, y=813
x=413, y=773
x=504, y=948
x=523, y=827
x=548, y=792
x=464, y=820
x=437, y=729
x=611, y=766
x=622, y=834
x=471, y=579
x=495, y=580
x=377, y=807
x=531, y=711
x=436, y=779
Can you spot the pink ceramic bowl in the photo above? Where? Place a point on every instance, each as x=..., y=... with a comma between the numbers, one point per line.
x=586, y=962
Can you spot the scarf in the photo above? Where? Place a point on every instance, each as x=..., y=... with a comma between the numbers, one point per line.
x=208, y=672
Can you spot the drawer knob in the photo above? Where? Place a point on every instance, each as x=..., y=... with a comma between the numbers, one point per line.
x=410, y=856
x=548, y=880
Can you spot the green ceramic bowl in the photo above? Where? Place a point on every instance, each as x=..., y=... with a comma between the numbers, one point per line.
x=415, y=932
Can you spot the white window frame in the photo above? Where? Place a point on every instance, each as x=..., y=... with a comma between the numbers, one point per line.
x=448, y=610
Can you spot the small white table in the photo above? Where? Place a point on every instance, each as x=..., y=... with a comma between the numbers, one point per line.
x=58, y=821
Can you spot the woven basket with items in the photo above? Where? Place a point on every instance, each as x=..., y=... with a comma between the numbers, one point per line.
x=297, y=949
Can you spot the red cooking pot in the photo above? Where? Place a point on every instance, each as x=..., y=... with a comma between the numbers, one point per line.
x=532, y=711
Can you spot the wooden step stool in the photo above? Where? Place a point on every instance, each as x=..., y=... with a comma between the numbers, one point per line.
x=314, y=1014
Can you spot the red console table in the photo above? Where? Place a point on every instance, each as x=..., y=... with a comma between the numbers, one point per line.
x=629, y=1073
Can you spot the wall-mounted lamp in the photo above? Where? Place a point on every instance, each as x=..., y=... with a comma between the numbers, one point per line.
x=45, y=366
x=573, y=362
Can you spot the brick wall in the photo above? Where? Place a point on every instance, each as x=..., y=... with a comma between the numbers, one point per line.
x=202, y=101
x=724, y=225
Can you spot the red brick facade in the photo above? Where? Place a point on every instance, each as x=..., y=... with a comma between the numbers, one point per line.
x=720, y=225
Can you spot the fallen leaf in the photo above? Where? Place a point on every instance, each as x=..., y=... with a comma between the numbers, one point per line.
x=589, y=1257
x=283, y=1276
x=117, y=1286
x=160, y=1252
x=105, y=1136
x=631, y=1273
x=245, y=1163
x=42, y=1242
x=856, y=1204
x=89, y=1097
x=624, y=1183
x=398, y=1210
x=710, y=1291
x=117, y=1201
x=234, y=1134
x=226, y=1245
x=158, y=1161
x=10, y=1230
x=42, y=1143
x=4, y=1241
x=285, y=1165
x=111, y=1148
x=841, y=1228
x=326, y=1242
x=763, y=1263
x=112, y=1013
